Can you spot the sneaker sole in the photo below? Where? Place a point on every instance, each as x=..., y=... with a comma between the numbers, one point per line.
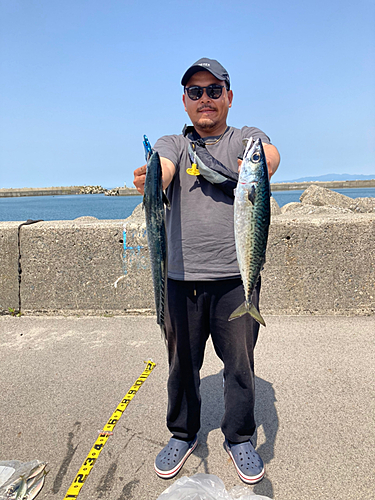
x=245, y=479
x=173, y=472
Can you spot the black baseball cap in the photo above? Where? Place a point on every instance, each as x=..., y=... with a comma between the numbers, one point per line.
x=211, y=65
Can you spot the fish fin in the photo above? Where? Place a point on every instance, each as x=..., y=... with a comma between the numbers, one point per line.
x=256, y=315
x=166, y=201
x=251, y=194
x=240, y=311
x=243, y=309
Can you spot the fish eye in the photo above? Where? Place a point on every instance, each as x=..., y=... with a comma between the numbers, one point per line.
x=255, y=158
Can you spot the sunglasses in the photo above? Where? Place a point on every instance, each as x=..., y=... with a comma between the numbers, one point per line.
x=213, y=91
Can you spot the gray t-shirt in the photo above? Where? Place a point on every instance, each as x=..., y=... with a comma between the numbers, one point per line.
x=200, y=225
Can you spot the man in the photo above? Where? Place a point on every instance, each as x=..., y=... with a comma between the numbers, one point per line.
x=204, y=283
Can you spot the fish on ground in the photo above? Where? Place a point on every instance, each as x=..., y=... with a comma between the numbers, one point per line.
x=35, y=488
x=25, y=482
x=22, y=489
x=252, y=214
x=153, y=202
x=32, y=480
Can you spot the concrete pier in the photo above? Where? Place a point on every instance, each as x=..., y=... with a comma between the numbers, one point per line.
x=61, y=379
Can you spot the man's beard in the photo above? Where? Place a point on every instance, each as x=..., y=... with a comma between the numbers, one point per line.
x=206, y=124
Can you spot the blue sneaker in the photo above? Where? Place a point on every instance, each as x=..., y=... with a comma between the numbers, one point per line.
x=247, y=461
x=172, y=457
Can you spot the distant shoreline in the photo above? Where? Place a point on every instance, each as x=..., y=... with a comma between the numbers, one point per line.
x=276, y=186
x=288, y=186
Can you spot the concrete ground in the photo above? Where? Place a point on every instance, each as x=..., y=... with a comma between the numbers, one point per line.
x=62, y=377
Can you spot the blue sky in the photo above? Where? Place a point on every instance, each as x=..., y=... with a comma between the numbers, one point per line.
x=81, y=81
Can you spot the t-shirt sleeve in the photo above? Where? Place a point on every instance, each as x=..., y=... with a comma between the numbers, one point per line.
x=168, y=147
x=255, y=133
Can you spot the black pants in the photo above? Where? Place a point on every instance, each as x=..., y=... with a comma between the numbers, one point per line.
x=196, y=310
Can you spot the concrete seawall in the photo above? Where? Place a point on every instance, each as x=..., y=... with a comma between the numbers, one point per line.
x=315, y=265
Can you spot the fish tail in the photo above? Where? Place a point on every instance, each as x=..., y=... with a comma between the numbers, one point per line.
x=243, y=309
x=256, y=315
x=164, y=334
x=240, y=311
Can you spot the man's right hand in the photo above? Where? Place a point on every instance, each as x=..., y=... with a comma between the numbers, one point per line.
x=168, y=170
x=140, y=178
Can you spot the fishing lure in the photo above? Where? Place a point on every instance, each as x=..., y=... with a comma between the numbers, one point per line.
x=147, y=146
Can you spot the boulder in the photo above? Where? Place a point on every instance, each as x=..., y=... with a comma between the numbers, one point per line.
x=364, y=205
x=313, y=210
x=323, y=197
x=275, y=209
x=112, y=192
x=289, y=207
x=92, y=190
x=301, y=209
x=319, y=196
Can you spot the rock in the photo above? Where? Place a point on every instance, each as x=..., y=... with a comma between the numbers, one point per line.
x=326, y=210
x=304, y=209
x=298, y=209
x=92, y=190
x=320, y=197
x=137, y=216
x=289, y=207
x=112, y=192
x=275, y=209
x=364, y=205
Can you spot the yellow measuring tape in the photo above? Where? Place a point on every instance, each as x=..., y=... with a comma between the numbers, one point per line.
x=88, y=464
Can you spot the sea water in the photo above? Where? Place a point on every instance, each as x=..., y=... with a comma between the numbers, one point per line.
x=69, y=207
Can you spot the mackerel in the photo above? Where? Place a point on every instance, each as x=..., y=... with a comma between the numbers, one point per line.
x=21, y=492
x=153, y=202
x=252, y=214
x=33, y=491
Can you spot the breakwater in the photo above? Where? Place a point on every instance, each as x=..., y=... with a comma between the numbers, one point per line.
x=287, y=186
x=57, y=191
x=128, y=192
x=318, y=262
x=51, y=191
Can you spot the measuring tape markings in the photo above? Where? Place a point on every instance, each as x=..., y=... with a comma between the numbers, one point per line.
x=107, y=431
